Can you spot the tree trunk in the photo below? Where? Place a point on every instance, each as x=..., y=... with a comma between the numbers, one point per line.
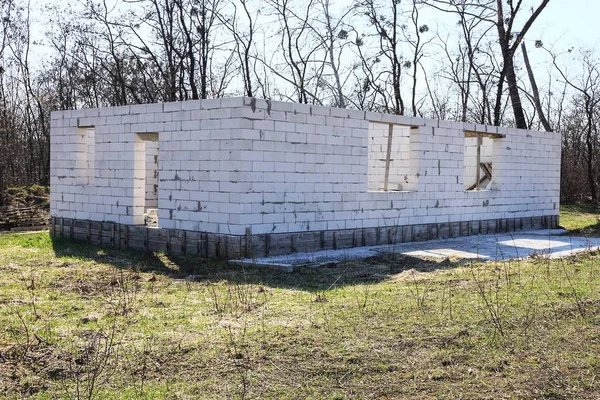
x=513, y=87
x=498, y=103
x=589, y=140
x=536, y=92
x=341, y=102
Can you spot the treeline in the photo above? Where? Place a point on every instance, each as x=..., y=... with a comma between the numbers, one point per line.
x=381, y=55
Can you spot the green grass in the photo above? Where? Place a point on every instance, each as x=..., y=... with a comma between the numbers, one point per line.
x=581, y=219
x=80, y=321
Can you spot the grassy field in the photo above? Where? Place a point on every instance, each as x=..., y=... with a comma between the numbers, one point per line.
x=84, y=322
x=581, y=219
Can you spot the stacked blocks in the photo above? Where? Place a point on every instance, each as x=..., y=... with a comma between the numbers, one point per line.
x=242, y=166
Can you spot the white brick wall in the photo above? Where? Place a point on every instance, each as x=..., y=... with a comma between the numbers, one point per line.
x=227, y=164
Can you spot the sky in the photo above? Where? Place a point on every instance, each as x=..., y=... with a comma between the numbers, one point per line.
x=573, y=22
x=563, y=24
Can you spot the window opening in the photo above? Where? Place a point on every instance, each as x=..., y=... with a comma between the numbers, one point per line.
x=86, y=155
x=478, y=173
x=146, y=178
x=391, y=166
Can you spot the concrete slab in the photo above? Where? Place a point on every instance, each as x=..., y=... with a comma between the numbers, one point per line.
x=550, y=243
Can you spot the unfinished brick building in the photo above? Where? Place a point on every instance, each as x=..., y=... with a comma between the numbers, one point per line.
x=248, y=177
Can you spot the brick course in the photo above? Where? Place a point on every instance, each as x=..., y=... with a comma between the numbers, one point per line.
x=228, y=165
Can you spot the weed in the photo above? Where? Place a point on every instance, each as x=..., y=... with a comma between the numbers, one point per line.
x=82, y=322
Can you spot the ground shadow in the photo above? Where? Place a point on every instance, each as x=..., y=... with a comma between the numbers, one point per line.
x=344, y=272
x=592, y=230
x=120, y=258
x=581, y=219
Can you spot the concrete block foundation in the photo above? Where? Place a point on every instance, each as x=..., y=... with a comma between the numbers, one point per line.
x=210, y=245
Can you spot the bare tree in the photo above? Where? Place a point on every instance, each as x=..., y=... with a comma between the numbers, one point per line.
x=534, y=88
x=475, y=31
x=198, y=23
x=296, y=47
x=509, y=38
x=243, y=40
x=587, y=99
x=415, y=39
x=334, y=37
x=388, y=38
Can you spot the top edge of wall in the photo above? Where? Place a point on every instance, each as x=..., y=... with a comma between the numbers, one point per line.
x=282, y=106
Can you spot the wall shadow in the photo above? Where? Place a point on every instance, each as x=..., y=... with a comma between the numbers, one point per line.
x=345, y=272
x=582, y=219
x=592, y=230
x=119, y=258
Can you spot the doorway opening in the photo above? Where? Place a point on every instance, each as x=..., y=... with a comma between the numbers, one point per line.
x=146, y=179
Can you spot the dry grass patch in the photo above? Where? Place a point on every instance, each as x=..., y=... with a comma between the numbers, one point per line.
x=85, y=322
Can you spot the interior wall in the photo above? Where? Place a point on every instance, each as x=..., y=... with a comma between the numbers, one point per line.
x=399, y=175
x=151, y=174
x=470, y=164
x=84, y=152
x=91, y=154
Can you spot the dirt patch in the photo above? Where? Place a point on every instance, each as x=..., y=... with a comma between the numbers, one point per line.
x=27, y=367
